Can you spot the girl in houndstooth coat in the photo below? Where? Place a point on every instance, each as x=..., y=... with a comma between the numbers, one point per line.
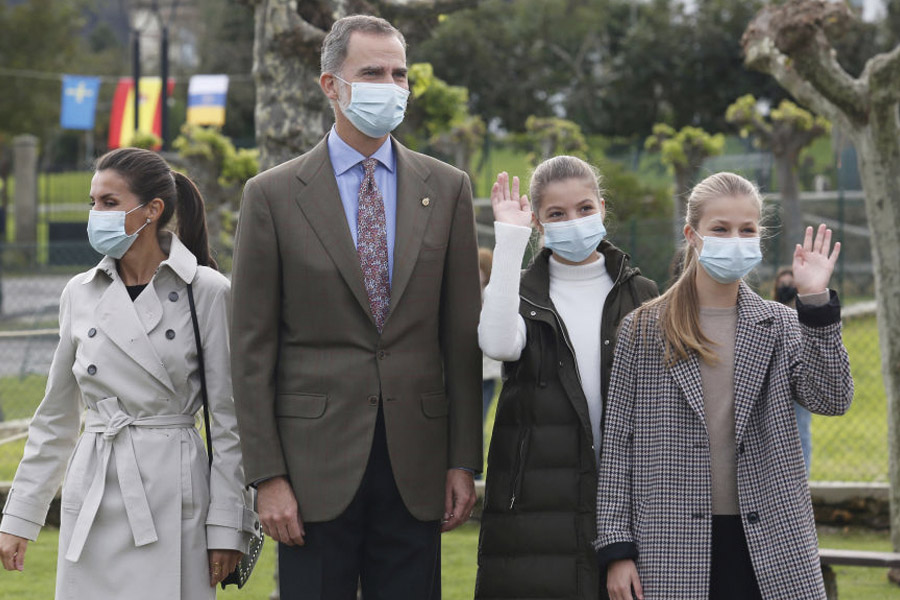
x=702, y=488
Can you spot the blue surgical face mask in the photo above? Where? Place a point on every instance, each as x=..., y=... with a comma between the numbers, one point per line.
x=727, y=259
x=574, y=240
x=376, y=109
x=106, y=231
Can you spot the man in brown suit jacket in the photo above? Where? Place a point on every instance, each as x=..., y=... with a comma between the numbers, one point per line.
x=355, y=354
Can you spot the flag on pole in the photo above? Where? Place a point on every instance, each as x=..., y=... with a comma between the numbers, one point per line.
x=206, y=99
x=79, y=102
x=121, y=123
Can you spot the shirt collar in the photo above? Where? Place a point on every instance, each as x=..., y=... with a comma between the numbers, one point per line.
x=344, y=157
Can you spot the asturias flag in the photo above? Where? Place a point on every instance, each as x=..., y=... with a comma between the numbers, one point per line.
x=79, y=101
x=206, y=99
x=121, y=123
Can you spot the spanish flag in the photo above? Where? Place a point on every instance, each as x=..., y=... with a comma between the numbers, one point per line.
x=121, y=124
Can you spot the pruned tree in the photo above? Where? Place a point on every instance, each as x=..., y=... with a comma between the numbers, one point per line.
x=784, y=132
x=546, y=137
x=683, y=153
x=792, y=43
x=291, y=112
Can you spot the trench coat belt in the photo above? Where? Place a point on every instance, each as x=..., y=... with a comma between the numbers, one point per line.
x=114, y=426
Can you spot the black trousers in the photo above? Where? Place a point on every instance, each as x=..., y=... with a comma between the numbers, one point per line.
x=731, y=575
x=376, y=544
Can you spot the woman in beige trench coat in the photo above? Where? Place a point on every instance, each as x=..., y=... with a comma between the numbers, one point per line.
x=142, y=515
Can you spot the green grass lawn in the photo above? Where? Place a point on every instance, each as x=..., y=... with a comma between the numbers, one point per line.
x=38, y=580
x=459, y=567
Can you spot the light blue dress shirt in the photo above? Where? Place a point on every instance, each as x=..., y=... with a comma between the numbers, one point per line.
x=348, y=171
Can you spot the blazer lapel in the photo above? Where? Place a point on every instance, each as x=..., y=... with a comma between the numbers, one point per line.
x=320, y=202
x=412, y=219
x=118, y=318
x=753, y=349
x=687, y=375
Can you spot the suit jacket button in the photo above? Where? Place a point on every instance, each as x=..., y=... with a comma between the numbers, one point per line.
x=753, y=517
x=373, y=400
x=170, y=334
x=382, y=354
x=173, y=296
x=92, y=332
x=697, y=515
x=92, y=370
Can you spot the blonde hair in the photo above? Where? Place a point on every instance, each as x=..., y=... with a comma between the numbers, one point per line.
x=485, y=261
x=678, y=309
x=560, y=168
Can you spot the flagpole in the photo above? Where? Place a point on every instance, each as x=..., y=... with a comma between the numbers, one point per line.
x=164, y=72
x=136, y=76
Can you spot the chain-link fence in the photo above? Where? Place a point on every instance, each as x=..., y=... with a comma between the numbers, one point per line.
x=853, y=447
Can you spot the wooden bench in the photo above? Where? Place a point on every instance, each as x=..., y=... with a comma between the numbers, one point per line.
x=852, y=558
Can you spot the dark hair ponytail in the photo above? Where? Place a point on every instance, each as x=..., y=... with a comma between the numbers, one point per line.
x=191, y=212
x=149, y=177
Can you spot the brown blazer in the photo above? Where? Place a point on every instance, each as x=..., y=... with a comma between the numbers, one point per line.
x=308, y=362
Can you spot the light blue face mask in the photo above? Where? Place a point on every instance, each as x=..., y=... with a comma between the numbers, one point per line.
x=106, y=231
x=376, y=109
x=574, y=240
x=728, y=259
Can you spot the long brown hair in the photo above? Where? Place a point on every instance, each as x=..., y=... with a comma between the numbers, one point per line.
x=678, y=309
x=148, y=177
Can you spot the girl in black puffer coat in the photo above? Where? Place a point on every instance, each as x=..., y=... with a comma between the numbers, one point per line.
x=556, y=332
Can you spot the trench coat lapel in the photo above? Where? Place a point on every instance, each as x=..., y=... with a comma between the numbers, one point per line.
x=753, y=349
x=687, y=375
x=117, y=316
x=412, y=219
x=320, y=202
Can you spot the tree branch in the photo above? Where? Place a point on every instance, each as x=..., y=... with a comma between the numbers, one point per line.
x=882, y=74
x=789, y=42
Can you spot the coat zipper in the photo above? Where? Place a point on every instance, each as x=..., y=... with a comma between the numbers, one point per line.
x=520, y=468
x=616, y=284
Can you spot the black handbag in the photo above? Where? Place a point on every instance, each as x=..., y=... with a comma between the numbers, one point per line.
x=244, y=568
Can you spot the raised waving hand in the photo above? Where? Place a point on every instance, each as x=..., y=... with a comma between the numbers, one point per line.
x=509, y=206
x=814, y=261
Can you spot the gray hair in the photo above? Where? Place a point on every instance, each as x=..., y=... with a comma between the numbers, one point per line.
x=334, y=47
x=560, y=168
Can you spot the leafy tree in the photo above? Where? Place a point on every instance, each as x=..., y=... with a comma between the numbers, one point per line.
x=551, y=136
x=791, y=42
x=220, y=171
x=785, y=132
x=683, y=153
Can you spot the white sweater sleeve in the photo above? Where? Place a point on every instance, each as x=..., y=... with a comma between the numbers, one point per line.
x=501, y=331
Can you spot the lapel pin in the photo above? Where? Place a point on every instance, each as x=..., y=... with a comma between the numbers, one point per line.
x=426, y=201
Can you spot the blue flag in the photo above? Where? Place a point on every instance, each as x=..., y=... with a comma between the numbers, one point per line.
x=79, y=101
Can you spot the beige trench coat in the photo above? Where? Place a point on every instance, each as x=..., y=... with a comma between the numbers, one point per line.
x=139, y=505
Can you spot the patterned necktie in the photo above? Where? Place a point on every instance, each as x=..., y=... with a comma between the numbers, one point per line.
x=371, y=244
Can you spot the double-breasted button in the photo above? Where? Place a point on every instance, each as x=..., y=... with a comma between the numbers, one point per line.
x=697, y=515
x=533, y=313
x=753, y=517
x=92, y=369
x=92, y=332
x=606, y=342
x=256, y=525
x=173, y=296
x=741, y=448
x=373, y=400
x=170, y=334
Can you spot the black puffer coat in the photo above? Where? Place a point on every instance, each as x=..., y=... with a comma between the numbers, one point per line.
x=539, y=514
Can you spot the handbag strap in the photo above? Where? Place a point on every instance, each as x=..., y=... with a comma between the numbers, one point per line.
x=200, y=363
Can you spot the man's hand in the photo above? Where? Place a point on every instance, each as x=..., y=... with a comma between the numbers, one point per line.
x=459, y=500
x=278, y=511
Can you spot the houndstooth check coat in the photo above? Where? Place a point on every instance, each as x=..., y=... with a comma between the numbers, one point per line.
x=654, y=497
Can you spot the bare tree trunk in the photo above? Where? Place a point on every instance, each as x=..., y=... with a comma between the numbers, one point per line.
x=791, y=214
x=790, y=43
x=292, y=114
